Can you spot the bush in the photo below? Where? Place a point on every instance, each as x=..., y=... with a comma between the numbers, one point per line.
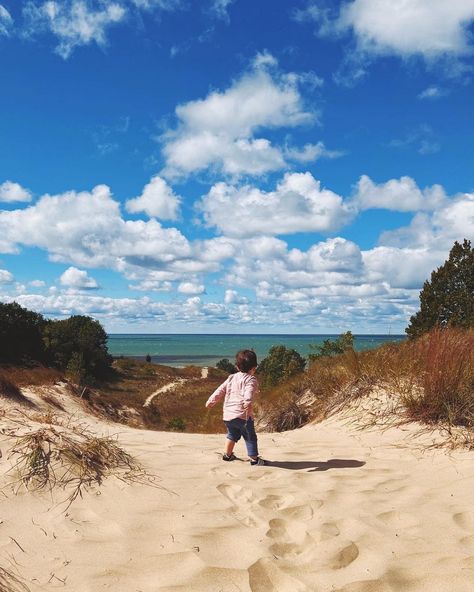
x=79, y=345
x=226, y=366
x=177, y=424
x=280, y=364
x=338, y=346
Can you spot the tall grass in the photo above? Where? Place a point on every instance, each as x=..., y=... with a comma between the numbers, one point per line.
x=446, y=359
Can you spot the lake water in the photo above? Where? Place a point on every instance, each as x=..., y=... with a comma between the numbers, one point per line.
x=207, y=350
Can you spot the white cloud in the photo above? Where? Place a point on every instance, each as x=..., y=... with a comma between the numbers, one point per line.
x=5, y=277
x=454, y=220
x=401, y=195
x=220, y=9
x=432, y=92
x=218, y=132
x=157, y=200
x=233, y=297
x=73, y=22
x=311, y=153
x=191, y=288
x=426, y=27
x=37, y=283
x=77, y=278
x=10, y=192
x=6, y=21
x=297, y=205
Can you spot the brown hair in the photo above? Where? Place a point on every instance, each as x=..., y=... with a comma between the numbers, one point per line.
x=245, y=360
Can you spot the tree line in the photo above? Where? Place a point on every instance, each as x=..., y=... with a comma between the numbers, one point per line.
x=77, y=345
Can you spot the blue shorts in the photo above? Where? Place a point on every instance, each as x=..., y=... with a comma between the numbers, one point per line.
x=243, y=428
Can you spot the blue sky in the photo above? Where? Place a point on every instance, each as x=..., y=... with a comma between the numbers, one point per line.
x=233, y=165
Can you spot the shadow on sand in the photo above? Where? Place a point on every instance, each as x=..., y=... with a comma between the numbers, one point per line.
x=315, y=465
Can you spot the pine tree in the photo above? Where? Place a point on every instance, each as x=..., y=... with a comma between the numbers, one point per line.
x=448, y=297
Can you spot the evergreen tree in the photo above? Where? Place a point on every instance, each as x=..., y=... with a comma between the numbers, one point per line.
x=21, y=334
x=280, y=364
x=332, y=347
x=448, y=297
x=227, y=366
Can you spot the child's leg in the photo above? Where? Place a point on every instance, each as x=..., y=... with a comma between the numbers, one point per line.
x=229, y=447
x=250, y=438
x=233, y=436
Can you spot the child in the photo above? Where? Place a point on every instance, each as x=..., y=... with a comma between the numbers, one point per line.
x=238, y=392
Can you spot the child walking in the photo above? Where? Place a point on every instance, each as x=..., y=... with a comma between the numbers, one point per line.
x=238, y=392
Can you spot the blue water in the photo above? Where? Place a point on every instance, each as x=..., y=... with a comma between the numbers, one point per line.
x=207, y=350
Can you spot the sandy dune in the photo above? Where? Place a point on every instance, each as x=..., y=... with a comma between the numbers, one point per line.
x=338, y=510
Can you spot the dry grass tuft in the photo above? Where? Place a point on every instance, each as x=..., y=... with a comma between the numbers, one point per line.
x=10, y=583
x=446, y=377
x=70, y=457
x=10, y=391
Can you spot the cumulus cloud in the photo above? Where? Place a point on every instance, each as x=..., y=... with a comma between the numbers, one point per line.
x=401, y=195
x=79, y=279
x=157, y=200
x=311, y=153
x=429, y=28
x=10, y=192
x=298, y=204
x=5, y=277
x=6, y=21
x=191, y=288
x=218, y=132
x=437, y=231
x=74, y=22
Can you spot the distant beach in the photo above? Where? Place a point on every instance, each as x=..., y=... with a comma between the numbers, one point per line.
x=208, y=349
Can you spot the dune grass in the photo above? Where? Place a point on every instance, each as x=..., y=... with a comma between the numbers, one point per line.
x=67, y=455
x=9, y=582
x=431, y=378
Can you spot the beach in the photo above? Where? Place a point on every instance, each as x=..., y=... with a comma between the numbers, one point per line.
x=337, y=509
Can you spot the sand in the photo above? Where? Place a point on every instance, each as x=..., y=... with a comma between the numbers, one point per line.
x=338, y=510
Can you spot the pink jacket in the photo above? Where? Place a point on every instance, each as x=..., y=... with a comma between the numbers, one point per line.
x=238, y=392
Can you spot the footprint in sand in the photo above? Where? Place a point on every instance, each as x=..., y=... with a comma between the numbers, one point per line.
x=237, y=494
x=266, y=575
x=303, y=513
x=464, y=520
x=345, y=556
x=276, y=502
x=398, y=519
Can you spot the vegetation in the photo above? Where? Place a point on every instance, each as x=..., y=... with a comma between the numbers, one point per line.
x=281, y=364
x=226, y=366
x=332, y=347
x=430, y=379
x=77, y=346
x=66, y=455
x=447, y=299
x=21, y=334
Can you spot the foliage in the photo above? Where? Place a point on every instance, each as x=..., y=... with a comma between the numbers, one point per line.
x=177, y=424
x=281, y=364
x=79, y=346
x=21, y=334
x=226, y=366
x=343, y=343
x=448, y=297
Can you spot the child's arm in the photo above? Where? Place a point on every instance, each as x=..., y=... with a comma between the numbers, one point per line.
x=217, y=395
x=250, y=390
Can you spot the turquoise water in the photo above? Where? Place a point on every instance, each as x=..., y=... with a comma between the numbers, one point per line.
x=207, y=350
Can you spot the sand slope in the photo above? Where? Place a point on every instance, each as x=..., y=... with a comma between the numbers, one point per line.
x=339, y=510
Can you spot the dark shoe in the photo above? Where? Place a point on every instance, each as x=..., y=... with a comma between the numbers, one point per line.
x=257, y=462
x=229, y=457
